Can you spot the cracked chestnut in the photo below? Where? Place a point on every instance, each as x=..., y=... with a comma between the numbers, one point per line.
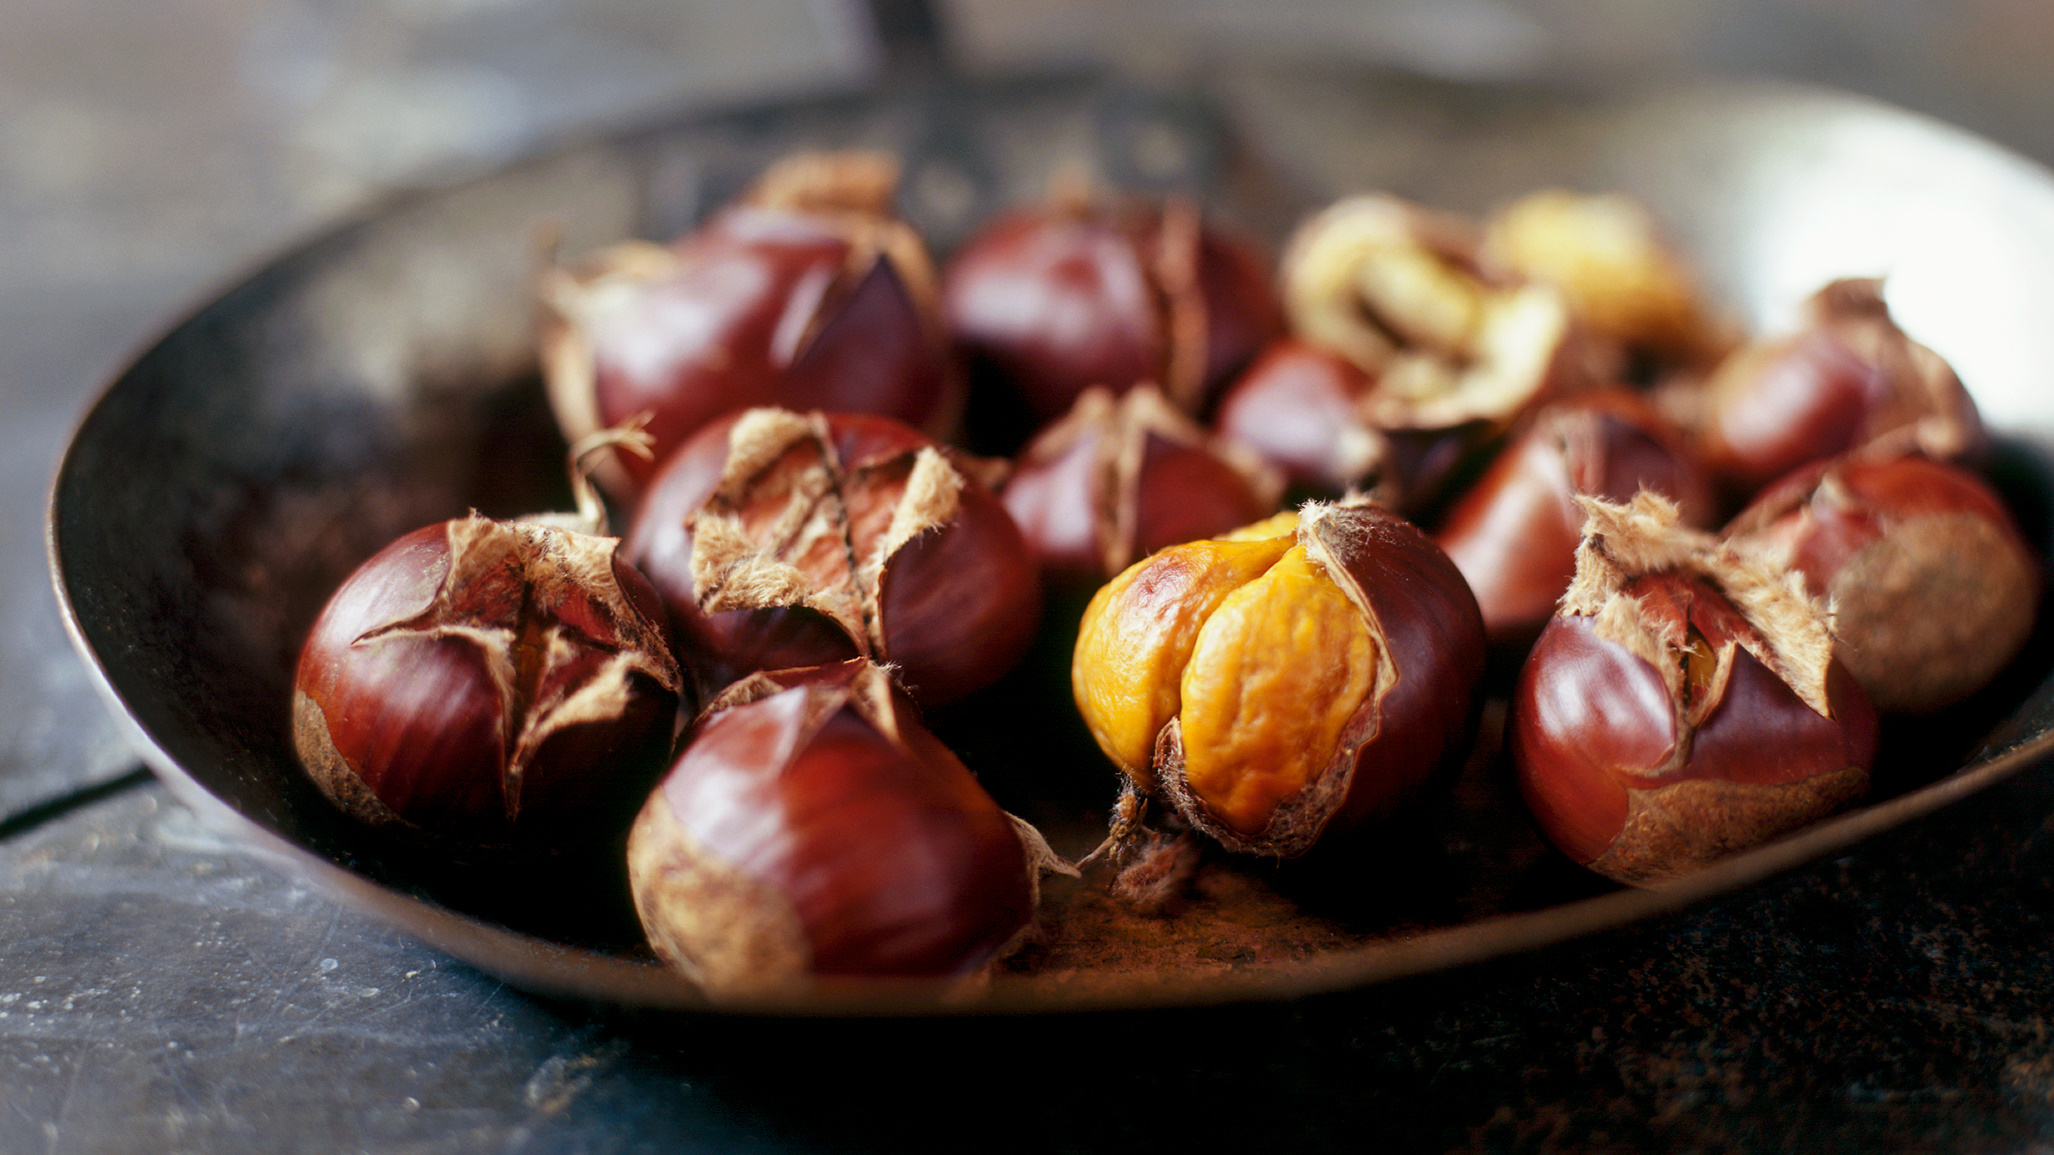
x=1120, y=477
x=779, y=538
x=814, y=828
x=1847, y=380
x=1051, y=299
x=1286, y=684
x=1514, y=532
x=807, y=292
x=483, y=683
x=1933, y=588
x=1684, y=705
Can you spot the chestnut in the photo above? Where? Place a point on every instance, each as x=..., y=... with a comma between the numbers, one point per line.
x=1934, y=590
x=1847, y=380
x=1291, y=682
x=481, y=683
x=814, y=828
x=1048, y=300
x=1627, y=285
x=1300, y=408
x=1120, y=477
x=1399, y=291
x=807, y=292
x=1514, y=532
x=778, y=538
x=1684, y=704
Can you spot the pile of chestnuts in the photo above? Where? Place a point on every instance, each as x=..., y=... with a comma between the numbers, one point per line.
x=1316, y=512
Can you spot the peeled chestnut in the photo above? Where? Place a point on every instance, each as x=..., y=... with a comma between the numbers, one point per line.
x=1933, y=588
x=813, y=828
x=1118, y=478
x=779, y=538
x=1286, y=684
x=1052, y=299
x=807, y=292
x=483, y=682
x=1514, y=532
x=1847, y=380
x=1685, y=703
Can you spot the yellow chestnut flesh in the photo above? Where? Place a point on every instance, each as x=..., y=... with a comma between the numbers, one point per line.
x=1270, y=689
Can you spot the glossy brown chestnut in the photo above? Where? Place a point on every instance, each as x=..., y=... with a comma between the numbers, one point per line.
x=1118, y=478
x=813, y=827
x=806, y=293
x=1684, y=705
x=1933, y=588
x=1052, y=299
x=1514, y=533
x=1302, y=679
x=779, y=538
x=1847, y=380
x=481, y=682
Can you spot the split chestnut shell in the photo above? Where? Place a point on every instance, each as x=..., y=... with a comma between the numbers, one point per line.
x=1302, y=678
x=1685, y=703
x=483, y=682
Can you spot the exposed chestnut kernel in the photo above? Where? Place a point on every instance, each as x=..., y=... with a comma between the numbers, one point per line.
x=1848, y=380
x=1288, y=683
x=1933, y=588
x=481, y=683
x=1514, y=533
x=806, y=293
x=1052, y=299
x=1624, y=281
x=779, y=538
x=1118, y=478
x=1398, y=291
x=1684, y=705
x=814, y=828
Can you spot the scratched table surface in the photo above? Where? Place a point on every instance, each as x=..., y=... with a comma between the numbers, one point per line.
x=162, y=990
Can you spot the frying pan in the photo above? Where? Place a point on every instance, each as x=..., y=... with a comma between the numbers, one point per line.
x=382, y=375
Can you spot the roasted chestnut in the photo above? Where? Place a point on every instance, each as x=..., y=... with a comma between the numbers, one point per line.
x=481, y=683
x=806, y=293
x=1683, y=705
x=1399, y=291
x=813, y=828
x=779, y=538
x=1847, y=380
x=1049, y=300
x=1624, y=281
x=1933, y=588
x=1288, y=683
x=1514, y=532
x=1118, y=478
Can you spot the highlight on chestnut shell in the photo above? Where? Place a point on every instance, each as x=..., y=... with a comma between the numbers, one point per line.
x=814, y=828
x=1277, y=687
x=480, y=683
x=1684, y=705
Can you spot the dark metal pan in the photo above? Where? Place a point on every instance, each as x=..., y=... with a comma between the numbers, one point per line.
x=383, y=376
